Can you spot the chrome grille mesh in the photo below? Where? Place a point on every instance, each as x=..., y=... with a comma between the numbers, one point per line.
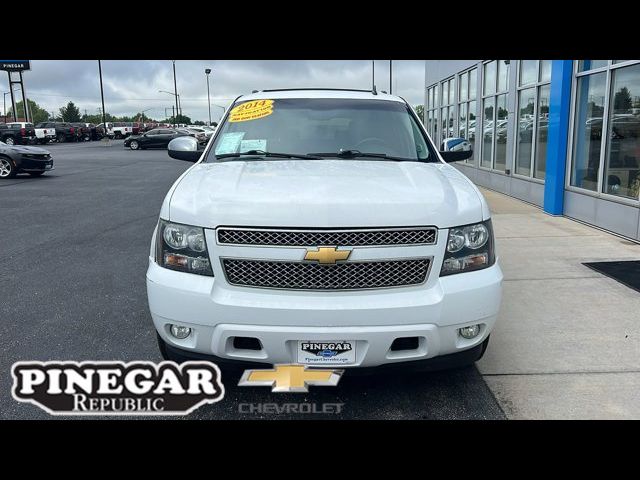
x=310, y=238
x=314, y=276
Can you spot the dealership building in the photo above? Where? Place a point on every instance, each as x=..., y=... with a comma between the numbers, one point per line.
x=561, y=134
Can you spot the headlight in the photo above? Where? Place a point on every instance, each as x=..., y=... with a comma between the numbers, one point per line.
x=183, y=248
x=469, y=248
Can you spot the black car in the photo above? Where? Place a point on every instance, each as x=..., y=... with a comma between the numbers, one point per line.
x=16, y=159
x=156, y=138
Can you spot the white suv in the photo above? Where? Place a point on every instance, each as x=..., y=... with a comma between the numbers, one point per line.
x=322, y=227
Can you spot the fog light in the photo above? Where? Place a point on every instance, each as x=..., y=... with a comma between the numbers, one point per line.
x=180, y=332
x=469, y=332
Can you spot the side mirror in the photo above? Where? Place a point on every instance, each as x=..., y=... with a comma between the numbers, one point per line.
x=184, y=148
x=456, y=149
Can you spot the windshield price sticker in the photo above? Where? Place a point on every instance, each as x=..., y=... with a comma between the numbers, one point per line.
x=251, y=110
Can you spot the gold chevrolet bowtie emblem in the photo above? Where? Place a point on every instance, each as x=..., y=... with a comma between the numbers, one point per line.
x=290, y=378
x=327, y=255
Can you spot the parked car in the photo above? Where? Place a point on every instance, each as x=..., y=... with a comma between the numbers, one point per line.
x=136, y=128
x=17, y=133
x=335, y=201
x=45, y=133
x=122, y=129
x=83, y=132
x=197, y=133
x=108, y=130
x=157, y=138
x=96, y=131
x=65, y=132
x=16, y=159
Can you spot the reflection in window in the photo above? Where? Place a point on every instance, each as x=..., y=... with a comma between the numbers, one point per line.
x=462, y=120
x=473, y=83
x=622, y=164
x=528, y=72
x=545, y=70
x=542, y=130
x=489, y=78
x=584, y=65
x=500, y=132
x=464, y=84
x=487, y=132
x=526, y=105
x=587, y=137
x=503, y=75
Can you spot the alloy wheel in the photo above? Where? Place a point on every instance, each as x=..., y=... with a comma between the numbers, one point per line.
x=5, y=168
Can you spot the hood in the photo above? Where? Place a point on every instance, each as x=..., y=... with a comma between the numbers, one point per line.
x=27, y=149
x=324, y=193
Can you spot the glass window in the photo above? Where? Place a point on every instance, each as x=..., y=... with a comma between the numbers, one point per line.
x=585, y=165
x=489, y=78
x=444, y=117
x=462, y=120
x=528, y=72
x=542, y=130
x=502, y=120
x=450, y=132
x=451, y=91
x=545, y=70
x=526, y=107
x=584, y=65
x=435, y=99
x=464, y=85
x=473, y=83
x=487, y=132
x=622, y=164
x=503, y=75
x=445, y=93
x=472, y=121
x=326, y=125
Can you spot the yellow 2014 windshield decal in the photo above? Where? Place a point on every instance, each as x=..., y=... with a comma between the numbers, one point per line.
x=251, y=110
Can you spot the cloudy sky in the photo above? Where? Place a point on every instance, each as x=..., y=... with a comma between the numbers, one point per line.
x=133, y=85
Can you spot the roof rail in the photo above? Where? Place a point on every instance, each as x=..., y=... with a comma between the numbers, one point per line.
x=331, y=89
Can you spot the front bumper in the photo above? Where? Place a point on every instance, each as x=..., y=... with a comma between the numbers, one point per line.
x=35, y=165
x=217, y=312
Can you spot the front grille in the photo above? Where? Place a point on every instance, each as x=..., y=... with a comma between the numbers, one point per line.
x=310, y=238
x=314, y=276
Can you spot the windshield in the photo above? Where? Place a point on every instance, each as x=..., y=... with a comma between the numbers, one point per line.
x=325, y=128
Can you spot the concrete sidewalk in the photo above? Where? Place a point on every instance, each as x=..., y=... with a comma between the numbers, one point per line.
x=567, y=344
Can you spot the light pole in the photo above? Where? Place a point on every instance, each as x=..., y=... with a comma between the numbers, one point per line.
x=373, y=74
x=178, y=108
x=175, y=88
x=207, y=71
x=143, y=114
x=390, y=76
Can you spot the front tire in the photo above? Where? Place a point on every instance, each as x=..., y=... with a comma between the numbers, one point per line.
x=10, y=141
x=61, y=138
x=7, y=170
x=134, y=145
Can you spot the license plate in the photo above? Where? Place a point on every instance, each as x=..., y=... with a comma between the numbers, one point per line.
x=327, y=352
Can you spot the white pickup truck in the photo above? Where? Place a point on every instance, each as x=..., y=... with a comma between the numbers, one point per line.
x=45, y=132
x=117, y=129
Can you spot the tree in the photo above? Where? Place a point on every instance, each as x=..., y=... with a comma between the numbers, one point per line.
x=199, y=122
x=70, y=113
x=183, y=119
x=622, y=101
x=420, y=111
x=37, y=114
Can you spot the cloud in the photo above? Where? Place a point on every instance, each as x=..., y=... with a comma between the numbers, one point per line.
x=131, y=86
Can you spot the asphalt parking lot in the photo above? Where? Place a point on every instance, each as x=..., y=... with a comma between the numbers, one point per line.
x=72, y=287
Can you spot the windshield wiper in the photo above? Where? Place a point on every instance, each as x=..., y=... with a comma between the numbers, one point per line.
x=262, y=153
x=358, y=154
